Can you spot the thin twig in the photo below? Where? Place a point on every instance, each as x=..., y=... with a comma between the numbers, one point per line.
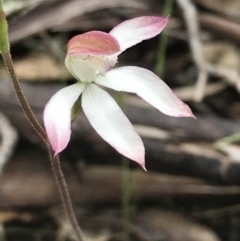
x=191, y=20
x=205, y=68
x=233, y=77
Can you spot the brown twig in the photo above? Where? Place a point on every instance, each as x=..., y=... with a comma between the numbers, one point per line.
x=191, y=20
x=205, y=68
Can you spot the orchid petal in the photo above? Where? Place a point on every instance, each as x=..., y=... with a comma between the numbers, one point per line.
x=83, y=70
x=93, y=43
x=111, y=124
x=68, y=63
x=90, y=53
x=148, y=86
x=133, y=31
x=57, y=116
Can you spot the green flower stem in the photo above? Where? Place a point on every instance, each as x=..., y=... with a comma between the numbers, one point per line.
x=58, y=173
x=4, y=43
x=163, y=38
x=126, y=199
x=126, y=186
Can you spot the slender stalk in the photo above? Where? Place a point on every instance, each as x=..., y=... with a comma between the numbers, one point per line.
x=126, y=199
x=64, y=193
x=58, y=173
x=25, y=106
x=62, y=186
x=126, y=185
x=163, y=38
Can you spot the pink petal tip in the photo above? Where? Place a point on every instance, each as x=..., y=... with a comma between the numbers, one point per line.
x=93, y=43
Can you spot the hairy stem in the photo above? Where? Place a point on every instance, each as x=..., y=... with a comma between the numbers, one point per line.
x=62, y=186
x=64, y=193
x=25, y=106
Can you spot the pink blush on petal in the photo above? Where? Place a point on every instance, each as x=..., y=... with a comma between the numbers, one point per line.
x=93, y=43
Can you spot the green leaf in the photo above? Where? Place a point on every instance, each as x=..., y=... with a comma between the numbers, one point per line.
x=4, y=43
x=76, y=109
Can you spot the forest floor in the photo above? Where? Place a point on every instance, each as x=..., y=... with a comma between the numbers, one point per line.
x=191, y=191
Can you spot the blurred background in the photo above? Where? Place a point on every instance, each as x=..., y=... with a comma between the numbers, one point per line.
x=191, y=191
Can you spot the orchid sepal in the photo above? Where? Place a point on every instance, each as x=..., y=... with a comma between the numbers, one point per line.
x=111, y=124
x=133, y=31
x=57, y=116
x=148, y=86
x=95, y=43
x=91, y=53
x=89, y=59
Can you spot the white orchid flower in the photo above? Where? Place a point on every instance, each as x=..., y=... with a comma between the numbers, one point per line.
x=89, y=59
